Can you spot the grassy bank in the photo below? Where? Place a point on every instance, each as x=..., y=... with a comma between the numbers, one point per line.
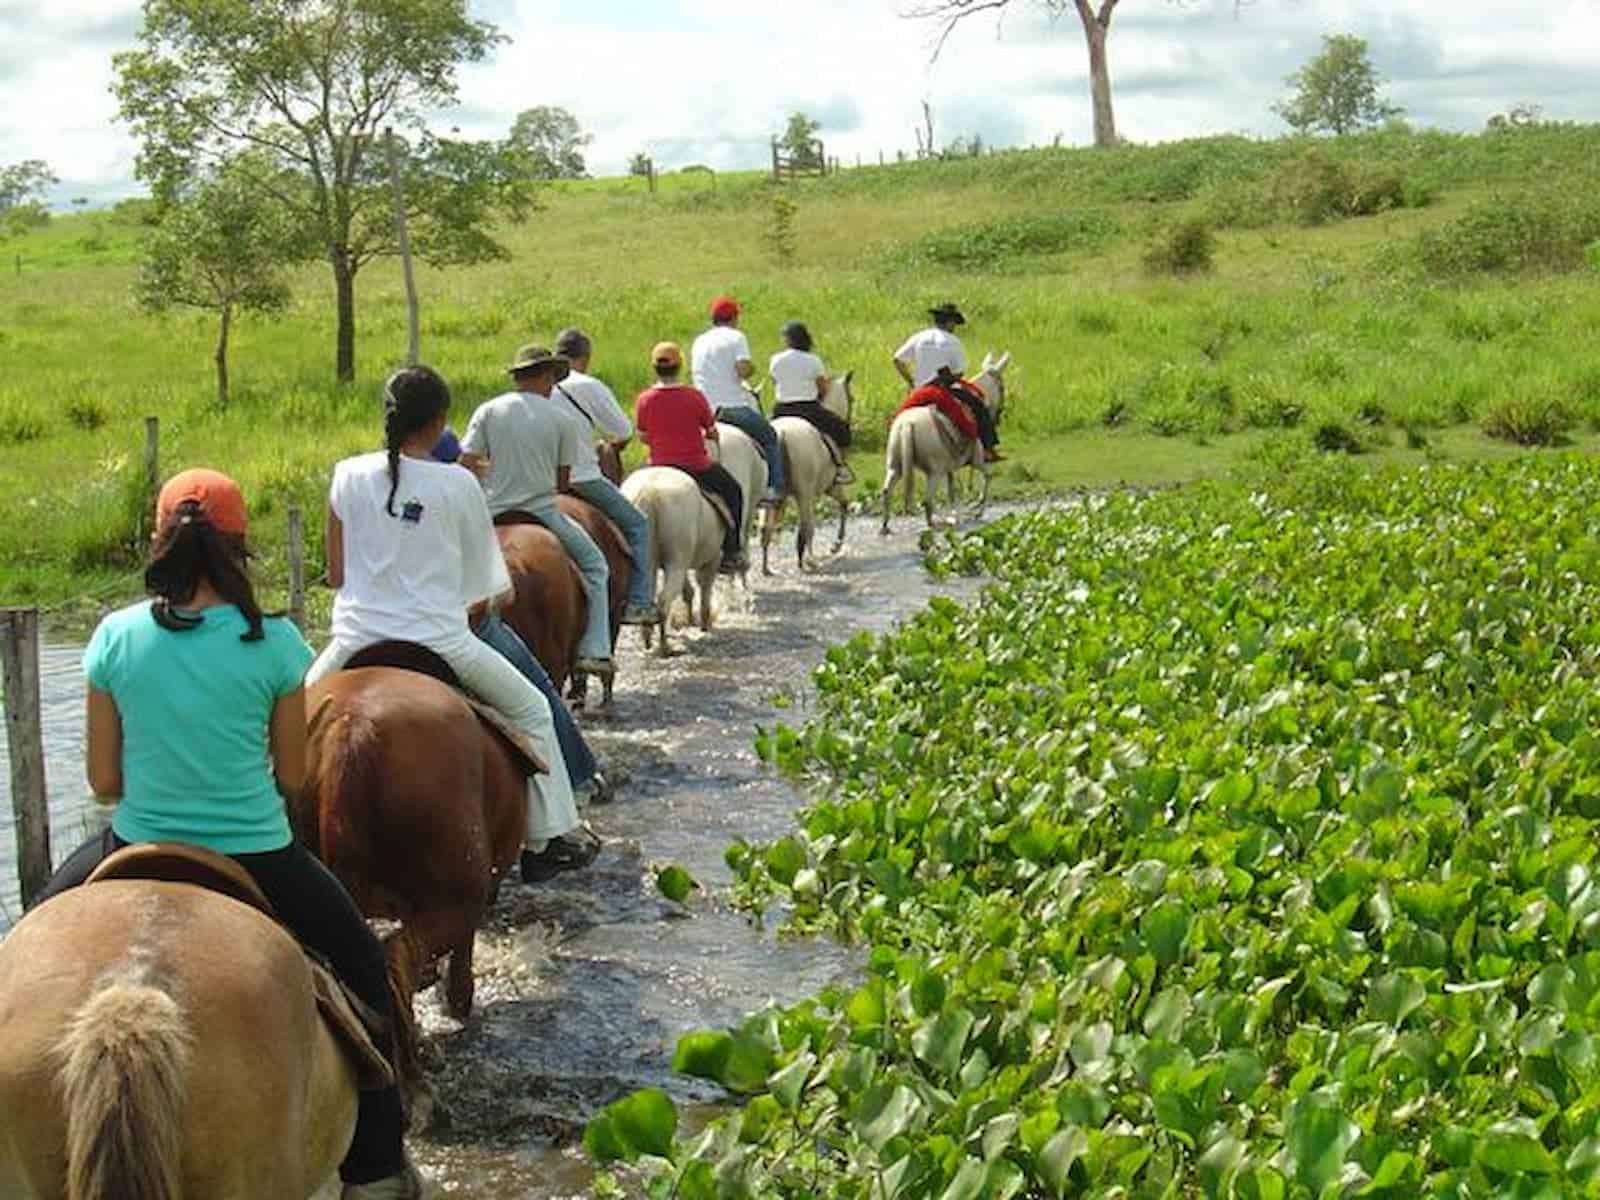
x=1461, y=301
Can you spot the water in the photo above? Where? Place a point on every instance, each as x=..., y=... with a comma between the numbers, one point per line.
x=585, y=983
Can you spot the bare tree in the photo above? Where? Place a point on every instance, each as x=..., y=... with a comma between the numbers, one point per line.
x=1094, y=15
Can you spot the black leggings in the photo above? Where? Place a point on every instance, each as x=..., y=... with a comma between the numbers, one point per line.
x=313, y=905
x=716, y=480
x=830, y=424
x=988, y=435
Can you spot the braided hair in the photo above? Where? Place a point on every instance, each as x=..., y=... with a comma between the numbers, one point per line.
x=190, y=550
x=797, y=335
x=412, y=398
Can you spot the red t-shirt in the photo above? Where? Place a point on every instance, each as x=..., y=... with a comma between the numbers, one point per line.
x=674, y=419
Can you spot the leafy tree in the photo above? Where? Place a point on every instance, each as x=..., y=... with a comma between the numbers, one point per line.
x=20, y=187
x=1095, y=17
x=1337, y=91
x=220, y=246
x=799, y=140
x=551, y=143
x=311, y=85
x=639, y=165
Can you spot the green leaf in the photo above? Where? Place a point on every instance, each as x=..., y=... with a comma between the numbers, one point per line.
x=968, y=1181
x=1317, y=1136
x=928, y=993
x=758, y=1118
x=1396, y=996
x=866, y=1008
x=1512, y=1151
x=703, y=1053
x=697, y=1181
x=886, y=1113
x=787, y=1084
x=604, y=1143
x=1167, y=1013
x=643, y=1123
x=747, y=1066
x=784, y=858
x=1164, y=928
x=939, y=1042
x=1058, y=1155
x=675, y=883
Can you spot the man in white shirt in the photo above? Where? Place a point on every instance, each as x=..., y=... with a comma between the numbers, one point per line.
x=720, y=360
x=935, y=356
x=600, y=416
x=523, y=449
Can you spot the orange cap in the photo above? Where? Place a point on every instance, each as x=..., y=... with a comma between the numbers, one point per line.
x=218, y=497
x=667, y=354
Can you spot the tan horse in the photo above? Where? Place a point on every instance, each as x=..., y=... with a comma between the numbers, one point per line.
x=922, y=439
x=685, y=539
x=417, y=808
x=808, y=472
x=737, y=451
x=159, y=1041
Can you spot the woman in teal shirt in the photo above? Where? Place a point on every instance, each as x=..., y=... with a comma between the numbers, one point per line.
x=197, y=732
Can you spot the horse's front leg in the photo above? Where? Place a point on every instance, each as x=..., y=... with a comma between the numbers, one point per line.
x=983, y=492
x=844, y=514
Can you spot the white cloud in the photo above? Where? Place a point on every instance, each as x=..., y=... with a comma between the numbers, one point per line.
x=710, y=80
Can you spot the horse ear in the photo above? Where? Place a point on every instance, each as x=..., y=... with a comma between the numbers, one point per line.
x=988, y=361
x=1005, y=361
x=848, y=376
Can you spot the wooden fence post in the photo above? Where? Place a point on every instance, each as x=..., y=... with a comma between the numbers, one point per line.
x=19, y=666
x=152, y=479
x=297, y=568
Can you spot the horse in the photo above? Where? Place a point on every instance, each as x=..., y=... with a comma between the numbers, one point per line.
x=160, y=1040
x=549, y=607
x=417, y=807
x=739, y=455
x=685, y=538
x=922, y=439
x=808, y=472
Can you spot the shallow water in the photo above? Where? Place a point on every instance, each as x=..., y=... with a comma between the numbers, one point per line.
x=585, y=983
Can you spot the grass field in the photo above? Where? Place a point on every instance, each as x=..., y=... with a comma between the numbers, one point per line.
x=1464, y=301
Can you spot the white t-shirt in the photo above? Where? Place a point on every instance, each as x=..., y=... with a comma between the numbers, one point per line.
x=929, y=350
x=794, y=375
x=598, y=415
x=714, y=358
x=415, y=574
x=526, y=438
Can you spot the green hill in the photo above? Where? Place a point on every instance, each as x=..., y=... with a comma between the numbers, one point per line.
x=1381, y=292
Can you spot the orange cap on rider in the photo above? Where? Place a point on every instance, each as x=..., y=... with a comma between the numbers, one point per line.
x=218, y=496
x=667, y=354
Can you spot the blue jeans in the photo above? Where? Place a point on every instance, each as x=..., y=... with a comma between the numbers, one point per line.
x=499, y=636
x=593, y=571
x=635, y=526
x=743, y=416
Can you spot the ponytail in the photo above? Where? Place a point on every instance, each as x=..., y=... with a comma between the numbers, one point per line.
x=190, y=550
x=412, y=398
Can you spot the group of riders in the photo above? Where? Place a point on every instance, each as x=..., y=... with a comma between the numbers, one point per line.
x=196, y=714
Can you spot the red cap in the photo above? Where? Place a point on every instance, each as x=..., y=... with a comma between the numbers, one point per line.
x=724, y=308
x=218, y=497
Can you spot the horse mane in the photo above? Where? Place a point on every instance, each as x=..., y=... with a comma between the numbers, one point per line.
x=124, y=1057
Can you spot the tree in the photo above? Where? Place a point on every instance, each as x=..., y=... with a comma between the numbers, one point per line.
x=220, y=247
x=311, y=85
x=640, y=165
x=799, y=141
x=551, y=143
x=1337, y=91
x=1095, y=19
x=21, y=185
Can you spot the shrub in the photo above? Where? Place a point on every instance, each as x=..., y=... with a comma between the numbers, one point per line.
x=1334, y=436
x=1184, y=249
x=19, y=423
x=1530, y=231
x=85, y=412
x=1004, y=241
x=1317, y=187
x=1267, y=406
x=1531, y=419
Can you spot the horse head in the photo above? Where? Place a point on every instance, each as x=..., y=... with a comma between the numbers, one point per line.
x=992, y=381
x=840, y=400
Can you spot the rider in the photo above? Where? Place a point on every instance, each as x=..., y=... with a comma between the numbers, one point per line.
x=934, y=357
x=720, y=358
x=800, y=382
x=197, y=734
x=598, y=413
x=523, y=448
x=674, y=421
x=411, y=548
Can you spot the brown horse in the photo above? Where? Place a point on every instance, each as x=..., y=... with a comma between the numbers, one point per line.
x=549, y=608
x=158, y=1040
x=417, y=808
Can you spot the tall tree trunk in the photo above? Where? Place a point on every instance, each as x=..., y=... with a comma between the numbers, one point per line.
x=223, y=327
x=344, y=289
x=1096, y=25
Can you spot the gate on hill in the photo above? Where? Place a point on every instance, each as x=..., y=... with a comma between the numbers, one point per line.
x=786, y=167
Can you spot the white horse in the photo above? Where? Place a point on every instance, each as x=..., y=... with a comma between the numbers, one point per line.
x=736, y=450
x=685, y=539
x=923, y=439
x=808, y=472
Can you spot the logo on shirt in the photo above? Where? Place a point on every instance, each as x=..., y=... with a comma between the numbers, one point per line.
x=411, y=512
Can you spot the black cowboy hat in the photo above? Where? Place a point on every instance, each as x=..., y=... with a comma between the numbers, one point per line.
x=947, y=311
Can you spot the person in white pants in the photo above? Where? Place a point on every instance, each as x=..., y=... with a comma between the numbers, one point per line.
x=410, y=548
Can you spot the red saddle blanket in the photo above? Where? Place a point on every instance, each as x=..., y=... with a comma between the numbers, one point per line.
x=945, y=401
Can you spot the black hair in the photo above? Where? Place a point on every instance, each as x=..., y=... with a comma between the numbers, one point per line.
x=190, y=550
x=797, y=335
x=412, y=399
x=573, y=343
x=668, y=372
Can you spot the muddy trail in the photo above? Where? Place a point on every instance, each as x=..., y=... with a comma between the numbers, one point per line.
x=585, y=983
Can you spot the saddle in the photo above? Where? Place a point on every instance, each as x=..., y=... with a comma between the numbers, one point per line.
x=411, y=656
x=350, y=1020
x=952, y=417
x=516, y=516
x=718, y=505
x=798, y=410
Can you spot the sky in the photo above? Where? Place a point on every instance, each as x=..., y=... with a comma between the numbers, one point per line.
x=709, y=81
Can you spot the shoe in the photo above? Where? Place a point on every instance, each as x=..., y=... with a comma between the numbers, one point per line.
x=771, y=498
x=587, y=664
x=596, y=791
x=405, y=1184
x=641, y=614
x=569, y=852
x=993, y=455
x=728, y=566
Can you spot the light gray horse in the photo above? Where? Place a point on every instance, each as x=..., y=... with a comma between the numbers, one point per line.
x=808, y=472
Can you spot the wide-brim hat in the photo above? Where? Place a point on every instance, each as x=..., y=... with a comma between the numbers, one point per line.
x=535, y=357
x=947, y=311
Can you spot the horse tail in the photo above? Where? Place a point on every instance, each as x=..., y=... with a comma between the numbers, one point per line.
x=124, y=1058
x=903, y=457
x=346, y=779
